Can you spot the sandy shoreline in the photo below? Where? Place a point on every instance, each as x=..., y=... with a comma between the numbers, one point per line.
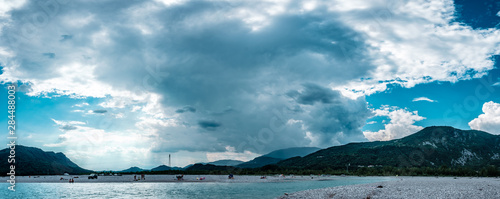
x=411, y=187
x=160, y=178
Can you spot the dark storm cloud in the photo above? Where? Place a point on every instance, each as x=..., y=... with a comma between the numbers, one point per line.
x=100, y=111
x=313, y=93
x=224, y=64
x=335, y=118
x=224, y=58
x=233, y=75
x=186, y=109
x=339, y=123
x=209, y=125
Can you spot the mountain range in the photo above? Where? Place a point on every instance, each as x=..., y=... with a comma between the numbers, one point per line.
x=276, y=156
x=34, y=161
x=167, y=168
x=132, y=170
x=434, y=146
x=226, y=162
x=158, y=168
x=270, y=158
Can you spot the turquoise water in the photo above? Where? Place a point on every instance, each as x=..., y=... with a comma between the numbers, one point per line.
x=175, y=190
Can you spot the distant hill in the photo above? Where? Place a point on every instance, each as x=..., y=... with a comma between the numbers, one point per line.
x=292, y=152
x=278, y=155
x=34, y=161
x=259, y=162
x=431, y=147
x=165, y=168
x=209, y=167
x=187, y=166
x=132, y=170
x=226, y=162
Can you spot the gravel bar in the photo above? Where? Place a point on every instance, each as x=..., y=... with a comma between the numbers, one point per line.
x=411, y=187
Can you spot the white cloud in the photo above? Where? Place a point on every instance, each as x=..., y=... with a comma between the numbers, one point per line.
x=73, y=79
x=81, y=104
x=99, y=149
x=152, y=124
x=315, y=139
x=356, y=47
x=8, y=6
x=231, y=154
x=93, y=148
x=498, y=13
x=414, y=42
x=423, y=99
x=496, y=84
x=408, y=43
x=489, y=121
x=171, y=2
x=401, y=124
x=119, y=115
x=62, y=123
x=116, y=102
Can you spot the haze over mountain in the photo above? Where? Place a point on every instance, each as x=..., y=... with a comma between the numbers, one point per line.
x=292, y=152
x=165, y=168
x=208, y=167
x=278, y=155
x=226, y=162
x=34, y=161
x=158, y=168
x=270, y=158
x=132, y=170
x=431, y=147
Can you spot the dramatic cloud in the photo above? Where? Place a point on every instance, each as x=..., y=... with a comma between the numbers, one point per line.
x=186, y=109
x=401, y=124
x=257, y=76
x=209, y=125
x=489, y=121
x=417, y=42
x=423, y=99
x=335, y=120
x=313, y=93
x=96, y=149
x=7, y=6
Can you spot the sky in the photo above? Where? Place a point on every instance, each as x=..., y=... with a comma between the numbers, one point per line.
x=115, y=84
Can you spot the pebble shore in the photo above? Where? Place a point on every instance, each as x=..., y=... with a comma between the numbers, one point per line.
x=159, y=178
x=410, y=187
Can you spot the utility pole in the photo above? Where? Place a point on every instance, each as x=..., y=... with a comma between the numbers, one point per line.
x=169, y=163
x=348, y=167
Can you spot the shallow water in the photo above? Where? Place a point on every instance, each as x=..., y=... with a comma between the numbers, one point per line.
x=175, y=190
